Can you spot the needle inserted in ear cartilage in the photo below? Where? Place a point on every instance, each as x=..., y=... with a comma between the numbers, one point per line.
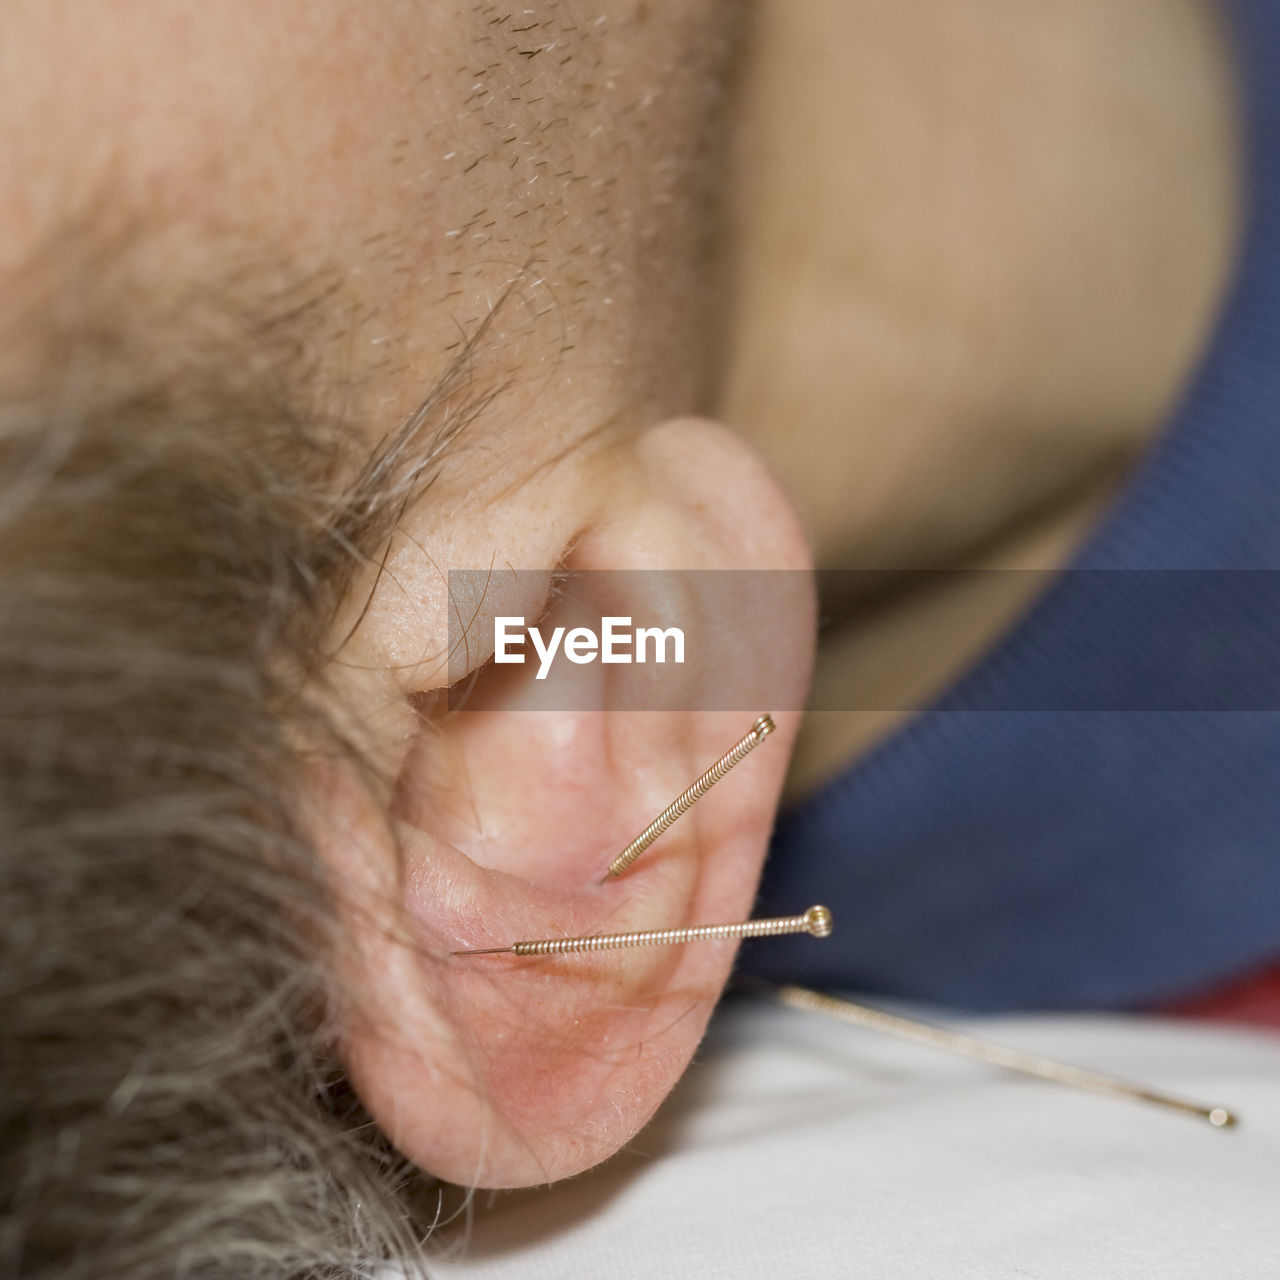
x=754, y=736
x=984, y=1051
x=817, y=921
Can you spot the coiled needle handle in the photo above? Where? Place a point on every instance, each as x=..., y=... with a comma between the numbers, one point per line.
x=685, y=801
x=816, y=921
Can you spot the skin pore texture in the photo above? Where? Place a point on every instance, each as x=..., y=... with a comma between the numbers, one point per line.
x=537, y=187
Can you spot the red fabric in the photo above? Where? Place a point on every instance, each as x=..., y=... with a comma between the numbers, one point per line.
x=1254, y=1000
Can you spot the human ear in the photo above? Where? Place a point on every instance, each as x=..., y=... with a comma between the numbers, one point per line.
x=502, y=1071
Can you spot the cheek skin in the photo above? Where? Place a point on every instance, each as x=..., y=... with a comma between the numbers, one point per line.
x=412, y=163
x=570, y=167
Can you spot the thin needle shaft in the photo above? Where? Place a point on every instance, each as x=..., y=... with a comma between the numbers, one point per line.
x=816, y=921
x=984, y=1051
x=685, y=801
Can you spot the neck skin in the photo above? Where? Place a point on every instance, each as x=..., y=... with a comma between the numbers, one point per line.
x=978, y=251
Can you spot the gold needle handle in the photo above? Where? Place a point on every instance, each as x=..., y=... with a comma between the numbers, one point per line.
x=685, y=801
x=816, y=921
x=1031, y=1064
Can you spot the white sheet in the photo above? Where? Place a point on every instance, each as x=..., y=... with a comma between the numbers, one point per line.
x=797, y=1147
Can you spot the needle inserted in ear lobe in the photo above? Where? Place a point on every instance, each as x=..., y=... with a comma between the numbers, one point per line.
x=1032, y=1064
x=816, y=921
x=754, y=736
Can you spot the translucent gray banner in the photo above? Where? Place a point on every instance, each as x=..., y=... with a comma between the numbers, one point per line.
x=968, y=640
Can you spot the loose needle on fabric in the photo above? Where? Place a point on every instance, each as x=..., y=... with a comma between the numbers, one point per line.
x=685, y=801
x=816, y=921
x=984, y=1051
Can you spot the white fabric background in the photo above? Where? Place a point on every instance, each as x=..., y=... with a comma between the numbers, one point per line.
x=799, y=1147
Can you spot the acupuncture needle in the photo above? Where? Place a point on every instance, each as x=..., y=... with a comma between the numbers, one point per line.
x=967, y=1046
x=759, y=731
x=816, y=921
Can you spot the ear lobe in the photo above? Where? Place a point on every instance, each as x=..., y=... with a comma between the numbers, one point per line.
x=502, y=1071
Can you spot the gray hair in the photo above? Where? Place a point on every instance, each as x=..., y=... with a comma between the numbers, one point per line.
x=176, y=536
